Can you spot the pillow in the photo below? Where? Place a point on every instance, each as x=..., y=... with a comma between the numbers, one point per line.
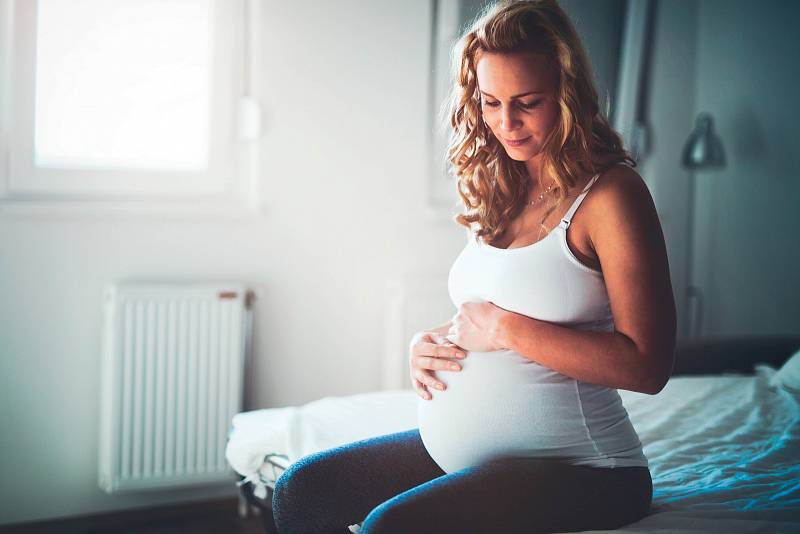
x=788, y=376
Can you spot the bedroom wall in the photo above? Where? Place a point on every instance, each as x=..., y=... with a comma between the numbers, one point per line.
x=668, y=112
x=345, y=91
x=738, y=61
x=344, y=177
x=747, y=258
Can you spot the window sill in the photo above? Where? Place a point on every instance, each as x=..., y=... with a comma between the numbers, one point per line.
x=57, y=208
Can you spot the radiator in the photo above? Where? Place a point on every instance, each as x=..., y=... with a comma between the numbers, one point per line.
x=172, y=376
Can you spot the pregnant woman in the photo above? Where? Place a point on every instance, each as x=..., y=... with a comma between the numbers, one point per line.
x=563, y=297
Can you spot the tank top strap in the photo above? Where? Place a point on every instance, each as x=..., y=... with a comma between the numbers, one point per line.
x=567, y=219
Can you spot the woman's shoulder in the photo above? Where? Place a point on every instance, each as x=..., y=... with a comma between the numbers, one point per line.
x=616, y=173
x=619, y=195
x=617, y=184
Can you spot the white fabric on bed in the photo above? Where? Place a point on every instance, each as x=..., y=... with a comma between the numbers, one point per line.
x=788, y=376
x=322, y=424
x=255, y=435
x=723, y=450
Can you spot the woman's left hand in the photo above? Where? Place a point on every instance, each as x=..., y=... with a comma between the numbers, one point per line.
x=476, y=327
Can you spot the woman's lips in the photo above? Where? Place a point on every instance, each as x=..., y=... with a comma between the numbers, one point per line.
x=520, y=142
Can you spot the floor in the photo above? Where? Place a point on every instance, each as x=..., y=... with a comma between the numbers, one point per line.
x=198, y=518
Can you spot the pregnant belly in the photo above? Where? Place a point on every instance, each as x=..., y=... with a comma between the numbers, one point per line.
x=500, y=403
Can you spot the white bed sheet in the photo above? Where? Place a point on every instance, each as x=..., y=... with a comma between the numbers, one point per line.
x=724, y=451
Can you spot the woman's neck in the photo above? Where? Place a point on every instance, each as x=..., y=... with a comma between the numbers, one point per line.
x=534, y=167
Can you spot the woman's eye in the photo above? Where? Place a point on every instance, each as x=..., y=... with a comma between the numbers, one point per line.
x=523, y=106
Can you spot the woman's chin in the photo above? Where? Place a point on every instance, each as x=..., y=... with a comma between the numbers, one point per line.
x=521, y=153
x=516, y=155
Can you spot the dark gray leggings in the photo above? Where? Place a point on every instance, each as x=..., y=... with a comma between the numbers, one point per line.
x=392, y=485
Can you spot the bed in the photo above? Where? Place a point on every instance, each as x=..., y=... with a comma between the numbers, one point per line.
x=722, y=438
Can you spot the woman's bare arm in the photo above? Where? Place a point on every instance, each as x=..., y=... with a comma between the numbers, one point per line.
x=629, y=242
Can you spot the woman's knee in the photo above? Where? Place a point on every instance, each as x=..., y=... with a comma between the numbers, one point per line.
x=287, y=496
x=392, y=517
x=289, y=484
x=301, y=494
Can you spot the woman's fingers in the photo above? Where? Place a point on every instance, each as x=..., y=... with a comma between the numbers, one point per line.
x=439, y=339
x=428, y=380
x=421, y=380
x=437, y=364
x=438, y=351
x=420, y=388
x=430, y=351
x=449, y=351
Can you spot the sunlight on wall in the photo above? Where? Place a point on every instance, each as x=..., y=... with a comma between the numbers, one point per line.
x=123, y=84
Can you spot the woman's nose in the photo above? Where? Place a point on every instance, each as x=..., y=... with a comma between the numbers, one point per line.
x=508, y=121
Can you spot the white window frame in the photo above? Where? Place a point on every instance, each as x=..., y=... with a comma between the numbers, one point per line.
x=228, y=187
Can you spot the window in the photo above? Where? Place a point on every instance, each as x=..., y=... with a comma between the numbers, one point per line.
x=130, y=101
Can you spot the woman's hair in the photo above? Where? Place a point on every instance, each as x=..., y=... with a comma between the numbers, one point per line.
x=492, y=186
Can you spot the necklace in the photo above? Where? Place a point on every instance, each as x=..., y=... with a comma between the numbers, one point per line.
x=535, y=200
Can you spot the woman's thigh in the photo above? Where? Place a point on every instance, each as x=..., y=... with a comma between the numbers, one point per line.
x=522, y=495
x=329, y=490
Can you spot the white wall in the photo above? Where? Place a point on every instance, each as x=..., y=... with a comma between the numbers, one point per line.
x=747, y=257
x=736, y=59
x=345, y=92
x=344, y=160
x=669, y=114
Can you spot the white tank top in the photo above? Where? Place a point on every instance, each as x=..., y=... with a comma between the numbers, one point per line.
x=504, y=404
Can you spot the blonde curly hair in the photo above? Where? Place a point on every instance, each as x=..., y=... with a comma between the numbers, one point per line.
x=492, y=186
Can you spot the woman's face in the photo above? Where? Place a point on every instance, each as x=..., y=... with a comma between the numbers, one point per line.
x=518, y=100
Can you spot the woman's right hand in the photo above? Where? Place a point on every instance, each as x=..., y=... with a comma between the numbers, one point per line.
x=429, y=352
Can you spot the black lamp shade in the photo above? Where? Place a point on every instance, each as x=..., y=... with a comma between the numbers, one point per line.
x=703, y=149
